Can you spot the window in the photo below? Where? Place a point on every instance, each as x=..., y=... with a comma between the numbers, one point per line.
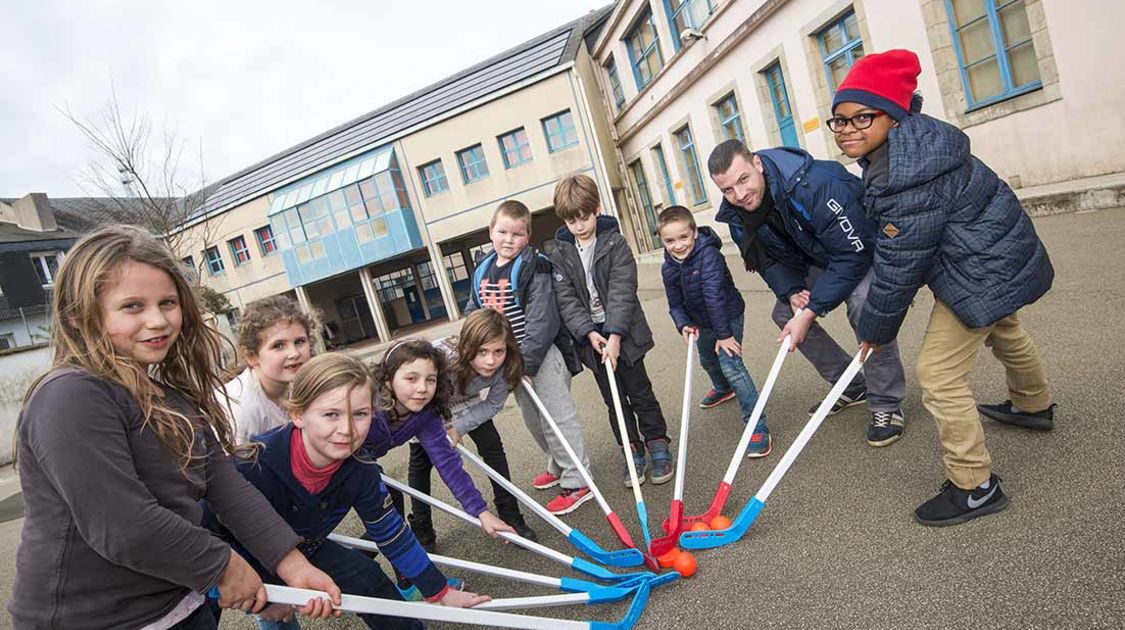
x=727, y=109
x=214, y=260
x=266, y=242
x=188, y=262
x=314, y=216
x=473, y=166
x=46, y=266
x=662, y=164
x=685, y=14
x=239, y=251
x=691, y=165
x=994, y=49
x=615, y=84
x=644, y=50
x=638, y=171
x=560, y=131
x=514, y=148
x=840, y=47
x=433, y=178
x=7, y=341
x=455, y=266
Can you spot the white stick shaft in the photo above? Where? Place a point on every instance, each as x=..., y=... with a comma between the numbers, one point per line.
x=622, y=430
x=566, y=445
x=452, y=511
x=456, y=563
x=530, y=503
x=541, y=601
x=759, y=407
x=415, y=610
x=810, y=428
x=685, y=419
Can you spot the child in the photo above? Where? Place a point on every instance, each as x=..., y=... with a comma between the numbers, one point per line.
x=274, y=339
x=485, y=356
x=596, y=289
x=946, y=220
x=412, y=401
x=118, y=444
x=703, y=300
x=516, y=280
x=314, y=471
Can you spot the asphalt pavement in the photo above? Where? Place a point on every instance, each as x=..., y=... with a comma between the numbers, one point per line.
x=836, y=545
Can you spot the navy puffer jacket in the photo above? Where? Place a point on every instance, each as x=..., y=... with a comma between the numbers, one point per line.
x=700, y=289
x=946, y=220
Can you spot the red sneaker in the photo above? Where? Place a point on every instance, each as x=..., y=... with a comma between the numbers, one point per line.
x=544, y=480
x=569, y=500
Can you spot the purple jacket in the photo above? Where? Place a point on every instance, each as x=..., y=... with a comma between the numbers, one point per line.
x=430, y=431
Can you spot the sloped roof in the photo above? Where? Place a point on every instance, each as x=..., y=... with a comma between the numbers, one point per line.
x=549, y=50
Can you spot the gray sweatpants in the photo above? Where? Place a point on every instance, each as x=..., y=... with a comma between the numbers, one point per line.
x=552, y=384
x=886, y=383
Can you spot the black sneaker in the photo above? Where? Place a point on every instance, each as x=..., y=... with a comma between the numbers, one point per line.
x=847, y=399
x=518, y=524
x=640, y=463
x=1039, y=421
x=953, y=506
x=423, y=529
x=663, y=466
x=886, y=427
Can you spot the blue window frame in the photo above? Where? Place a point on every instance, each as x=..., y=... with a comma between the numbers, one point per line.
x=615, y=84
x=560, y=132
x=239, y=252
x=189, y=262
x=662, y=164
x=214, y=260
x=514, y=148
x=685, y=14
x=691, y=165
x=473, y=165
x=729, y=120
x=433, y=179
x=644, y=49
x=995, y=53
x=782, y=111
x=840, y=46
x=638, y=171
x=267, y=244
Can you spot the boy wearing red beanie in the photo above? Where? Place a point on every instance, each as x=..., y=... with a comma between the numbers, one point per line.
x=944, y=219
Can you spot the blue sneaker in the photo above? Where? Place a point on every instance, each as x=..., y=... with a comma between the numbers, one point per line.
x=760, y=441
x=412, y=594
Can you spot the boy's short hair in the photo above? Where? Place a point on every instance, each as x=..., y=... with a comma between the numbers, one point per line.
x=674, y=214
x=723, y=156
x=514, y=210
x=576, y=197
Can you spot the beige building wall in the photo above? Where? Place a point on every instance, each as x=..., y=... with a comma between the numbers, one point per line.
x=1070, y=128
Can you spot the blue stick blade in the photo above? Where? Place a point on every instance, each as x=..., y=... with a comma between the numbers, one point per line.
x=617, y=558
x=634, y=614
x=642, y=515
x=606, y=575
x=712, y=539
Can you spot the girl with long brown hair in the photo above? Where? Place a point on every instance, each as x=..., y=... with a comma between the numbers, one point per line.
x=120, y=441
x=484, y=356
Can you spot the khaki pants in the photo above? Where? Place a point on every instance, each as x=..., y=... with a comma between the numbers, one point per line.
x=949, y=351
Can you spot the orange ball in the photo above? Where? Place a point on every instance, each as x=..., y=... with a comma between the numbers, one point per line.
x=685, y=564
x=700, y=526
x=720, y=522
x=669, y=559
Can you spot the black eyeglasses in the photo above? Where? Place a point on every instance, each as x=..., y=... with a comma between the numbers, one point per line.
x=860, y=121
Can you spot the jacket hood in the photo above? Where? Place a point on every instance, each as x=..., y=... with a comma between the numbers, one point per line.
x=706, y=237
x=784, y=168
x=922, y=149
x=605, y=225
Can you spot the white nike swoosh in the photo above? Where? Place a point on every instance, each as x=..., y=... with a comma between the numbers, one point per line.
x=974, y=503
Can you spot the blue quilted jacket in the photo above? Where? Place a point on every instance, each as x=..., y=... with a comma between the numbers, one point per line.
x=700, y=289
x=944, y=219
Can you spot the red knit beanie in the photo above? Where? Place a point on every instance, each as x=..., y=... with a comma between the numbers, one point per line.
x=885, y=81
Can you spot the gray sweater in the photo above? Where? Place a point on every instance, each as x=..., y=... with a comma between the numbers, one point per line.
x=468, y=408
x=112, y=536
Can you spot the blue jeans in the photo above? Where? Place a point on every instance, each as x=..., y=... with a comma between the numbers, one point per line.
x=728, y=372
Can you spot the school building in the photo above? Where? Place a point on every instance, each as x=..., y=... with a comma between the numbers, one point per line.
x=1034, y=83
x=376, y=222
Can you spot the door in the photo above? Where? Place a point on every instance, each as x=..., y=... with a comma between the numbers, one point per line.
x=781, y=109
x=413, y=303
x=355, y=318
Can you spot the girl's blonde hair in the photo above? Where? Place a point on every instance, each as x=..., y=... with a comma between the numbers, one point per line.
x=482, y=326
x=323, y=374
x=405, y=352
x=193, y=365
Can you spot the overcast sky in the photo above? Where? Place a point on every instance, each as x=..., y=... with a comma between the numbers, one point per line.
x=248, y=78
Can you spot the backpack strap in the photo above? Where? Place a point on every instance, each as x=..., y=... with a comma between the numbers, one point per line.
x=478, y=275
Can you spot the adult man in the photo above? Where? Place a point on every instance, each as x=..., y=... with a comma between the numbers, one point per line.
x=800, y=223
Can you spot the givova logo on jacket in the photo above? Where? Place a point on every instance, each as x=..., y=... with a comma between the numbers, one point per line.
x=845, y=225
